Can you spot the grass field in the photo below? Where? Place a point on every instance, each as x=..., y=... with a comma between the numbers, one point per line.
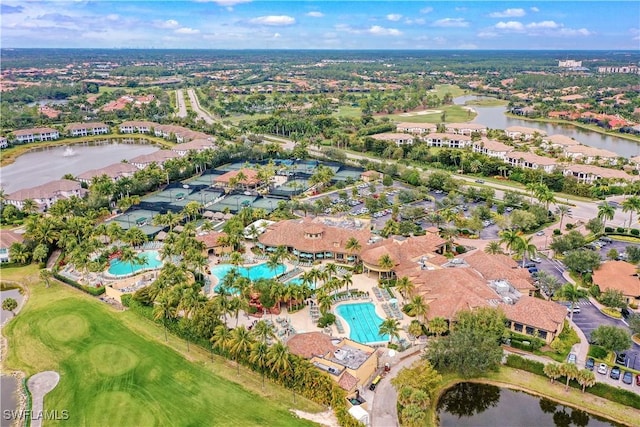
x=487, y=102
x=115, y=370
x=454, y=114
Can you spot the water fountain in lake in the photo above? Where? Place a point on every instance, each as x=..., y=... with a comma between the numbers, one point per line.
x=69, y=152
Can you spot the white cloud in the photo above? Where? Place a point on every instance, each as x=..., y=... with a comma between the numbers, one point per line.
x=377, y=30
x=534, y=9
x=169, y=24
x=451, y=22
x=510, y=26
x=273, y=20
x=187, y=30
x=417, y=21
x=543, y=24
x=426, y=10
x=113, y=17
x=570, y=32
x=276, y=35
x=508, y=13
x=394, y=17
x=488, y=34
x=315, y=14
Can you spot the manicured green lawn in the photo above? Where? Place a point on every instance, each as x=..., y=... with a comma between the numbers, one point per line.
x=454, y=114
x=113, y=374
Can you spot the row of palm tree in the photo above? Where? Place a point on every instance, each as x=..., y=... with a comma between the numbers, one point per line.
x=607, y=211
x=585, y=377
x=517, y=242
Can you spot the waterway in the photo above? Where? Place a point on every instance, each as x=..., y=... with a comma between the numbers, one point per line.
x=43, y=165
x=479, y=405
x=495, y=118
x=8, y=397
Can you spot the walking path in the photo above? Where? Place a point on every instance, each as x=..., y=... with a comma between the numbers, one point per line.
x=39, y=385
x=182, y=107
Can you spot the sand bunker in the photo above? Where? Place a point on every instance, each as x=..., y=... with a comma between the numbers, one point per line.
x=421, y=113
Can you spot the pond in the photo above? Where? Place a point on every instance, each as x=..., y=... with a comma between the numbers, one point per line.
x=8, y=397
x=478, y=405
x=43, y=165
x=495, y=118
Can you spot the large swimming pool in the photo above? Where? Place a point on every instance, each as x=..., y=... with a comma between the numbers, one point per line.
x=363, y=321
x=151, y=261
x=255, y=272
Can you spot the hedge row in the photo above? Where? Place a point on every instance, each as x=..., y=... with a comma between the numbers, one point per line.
x=88, y=289
x=615, y=394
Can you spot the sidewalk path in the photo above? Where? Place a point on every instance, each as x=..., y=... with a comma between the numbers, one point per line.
x=39, y=385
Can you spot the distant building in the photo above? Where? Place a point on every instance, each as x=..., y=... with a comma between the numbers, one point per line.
x=569, y=63
x=47, y=194
x=524, y=133
x=416, y=128
x=135, y=126
x=397, y=138
x=492, y=148
x=4, y=142
x=159, y=157
x=8, y=238
x=627, y=69
x=619, y=276
x=588, y=174
x=24, y=136
x=528, y=160
x=84, y=129
x=465, y=128
x=197, y=145
x=449, y=140
x=114, y=171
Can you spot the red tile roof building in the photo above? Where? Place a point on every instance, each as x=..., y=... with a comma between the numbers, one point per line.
x=620, y=276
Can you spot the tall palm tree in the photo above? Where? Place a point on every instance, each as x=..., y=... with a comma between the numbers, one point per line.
x=570, y=371
x=331, y=270
x=164, y=310
x=494, y=248
x=279, y=359
x=563, y=211
x=552, y=370
x=526, y=248
x=571, y=293
x=324, y=301
x=347, y=280
x=586, y=378
x=631, y=205
x=129, y=255
x=221, y=338
x=390, y=326
x=259, y=356
x=385, y=262
x=418, y=308
x=352, y=246
x=405, y=286
x=45, y=276
x=438, y=325
x=606, y=212
x=240, y=344
x=263, y=331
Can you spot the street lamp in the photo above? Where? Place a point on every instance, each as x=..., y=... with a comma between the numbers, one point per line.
x=128, y=220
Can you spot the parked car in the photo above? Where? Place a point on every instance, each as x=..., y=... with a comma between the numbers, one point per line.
x=533, y=270
x=627, y=377
x=603, y=368
x=625, y=313
x=590, y=364
x=375, y=382
x=615, y=373
x=480, y=181
x=530, y=265
x=540, y=233
x=638, y=380
x=621, y=358
x=536, y=260
x=606, y=239
x=572, y=358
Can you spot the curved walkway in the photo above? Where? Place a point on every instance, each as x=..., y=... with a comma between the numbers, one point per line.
x=39, y=385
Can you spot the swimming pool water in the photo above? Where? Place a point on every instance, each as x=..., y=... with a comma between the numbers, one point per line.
x=296, y=281
x=255, y=272
x=363, y=321
x=151, y=260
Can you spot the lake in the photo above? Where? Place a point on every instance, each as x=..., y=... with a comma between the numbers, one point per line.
x=43, y=165
x=479, y=405
x=495, y=118
x=8, y=397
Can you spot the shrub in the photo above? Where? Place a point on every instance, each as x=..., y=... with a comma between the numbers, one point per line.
x=608, y=229
x=612, y=312
x=518, y=362
x=326, y=319
x=126, y=299
x=569, y=226
x=557, y=232
x=460, y=249
x=88, y=289
x=597, y=352
x=621, y=230
x=594, y=291
x=635, y=232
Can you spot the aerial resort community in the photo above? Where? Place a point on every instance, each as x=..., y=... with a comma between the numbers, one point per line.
x=337, y=238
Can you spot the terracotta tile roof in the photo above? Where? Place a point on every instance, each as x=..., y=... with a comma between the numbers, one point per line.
x=196, y=144
x=525, y=130
x=590, y=151
x=138, y=123
x=44, y=191
x=33, y=131
x=250, y=174
x=92, y=125
x=493, y=145
x=370, y=174
x=535, y=312
x=598, y=171
x=447, y=136
x=531, y=158
x=211, y=239
x=291, y=233
x=159, y=157
x=8, y=238
x=472, y=126
x=347, y=381
x=618, y=275
x=561, y=140
x=113, y=171
x=497, y=267
x=311, y=344
x=389, y=136
x=409, y=126
x=405, y=252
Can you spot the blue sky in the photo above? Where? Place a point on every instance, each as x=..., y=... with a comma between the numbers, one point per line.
x=246, y=24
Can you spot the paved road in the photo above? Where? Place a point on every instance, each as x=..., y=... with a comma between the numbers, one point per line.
x=182, y=106
x=39, y=385
x=195, y=106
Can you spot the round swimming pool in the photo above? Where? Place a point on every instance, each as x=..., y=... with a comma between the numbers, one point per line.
x=255, y=272
x=151, y=261
x=363, y=321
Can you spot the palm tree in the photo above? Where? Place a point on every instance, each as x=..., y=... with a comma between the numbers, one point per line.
x=164, y=310
x=510, y=238
x=631, y=205
x=586, y=378
x=352, y=246
x=19, y=253
x=552, y=370
x=385, y=263
x=525, y=248
x=40, y=252
x=493, y=248
x=390, y=326
x=45, y=276
x=263, y=331
x=10, y=304
x=571, y=293
x=259, y=356
x=438, y=325
x=221, y=338
x=132, y=257
x=606, y=212
x=240, y=344
x=563, y=211
x=418, y=308
x=330, y=269
x=347, y=280
x=29, y=206
x=570, y=371
x=279, y=359
x=324, y=301
x=405, y=286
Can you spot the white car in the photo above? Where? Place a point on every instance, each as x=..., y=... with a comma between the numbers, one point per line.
x=603, y=368
x=540, y=233
x=536, y=260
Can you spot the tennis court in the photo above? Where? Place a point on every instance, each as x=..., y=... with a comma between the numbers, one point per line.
x=234, y=203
